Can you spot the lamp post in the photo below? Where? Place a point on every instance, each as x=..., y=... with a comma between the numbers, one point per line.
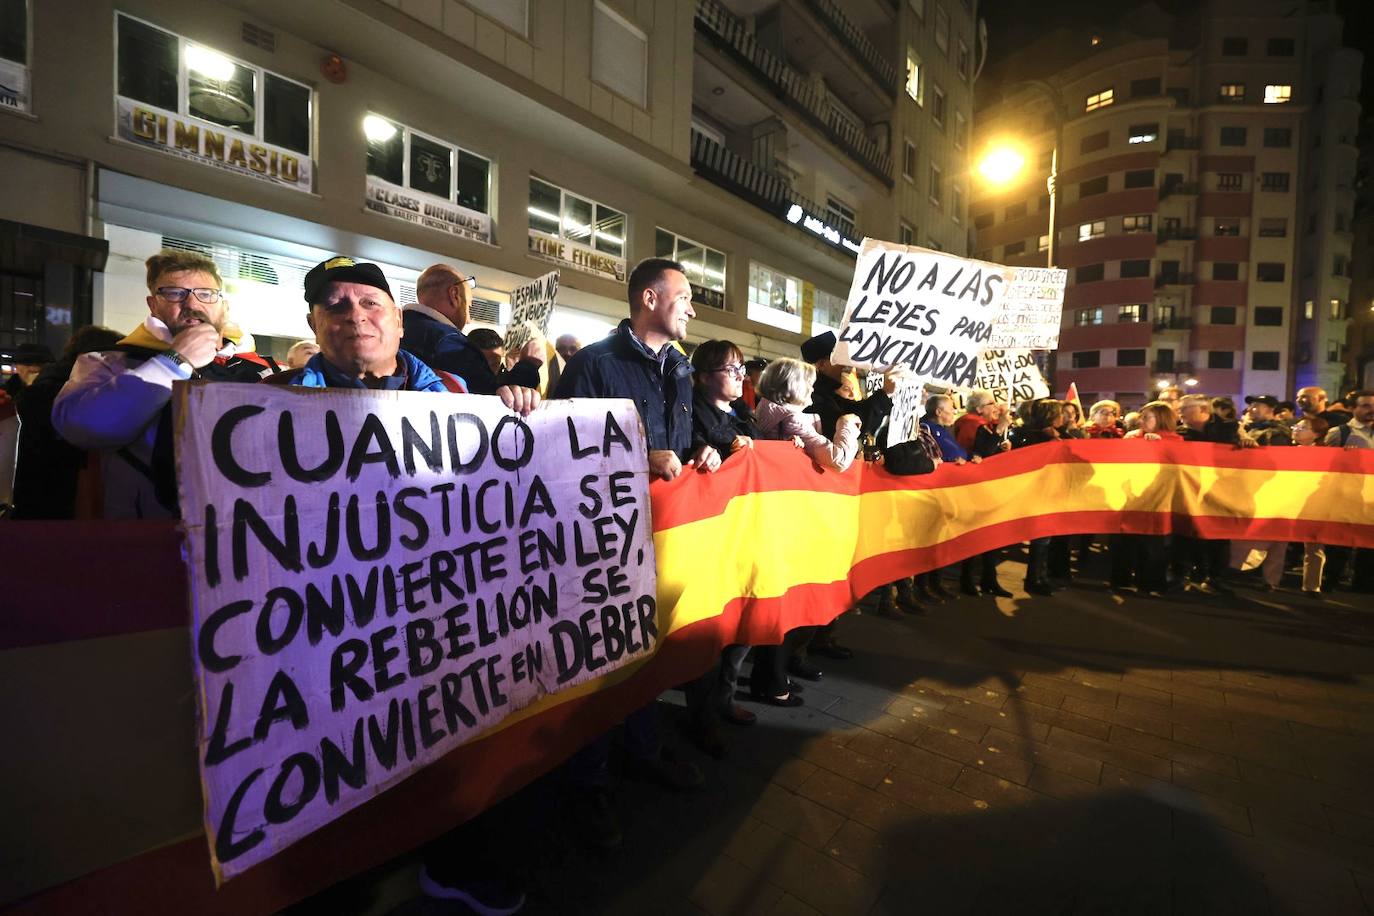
x=1002, y=164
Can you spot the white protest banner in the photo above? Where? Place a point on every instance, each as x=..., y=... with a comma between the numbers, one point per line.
x=1031, y=309
x=531, y=306
x=1011, y=375
x=927, y=312
x=907, y=402
x=378, y=577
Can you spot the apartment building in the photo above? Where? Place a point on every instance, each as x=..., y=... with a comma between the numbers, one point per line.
x=756, y=142
x=1205, y=197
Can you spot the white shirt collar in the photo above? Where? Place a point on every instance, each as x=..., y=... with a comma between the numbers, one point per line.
x=426, y=310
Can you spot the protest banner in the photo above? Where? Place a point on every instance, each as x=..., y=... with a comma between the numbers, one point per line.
x=379, y=577
x=1011, y=375
x=531, y=306
x=924, y=311
x=907, y=402
x=1031, y=309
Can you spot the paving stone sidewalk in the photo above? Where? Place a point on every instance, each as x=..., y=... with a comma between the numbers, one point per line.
x=1080, y=754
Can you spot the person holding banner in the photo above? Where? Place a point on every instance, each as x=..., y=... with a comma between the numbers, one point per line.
x=1043, y=419
x=1144, y=555
x=434, y=332
x=827, y=394
x=983, y=431
x=119, y=401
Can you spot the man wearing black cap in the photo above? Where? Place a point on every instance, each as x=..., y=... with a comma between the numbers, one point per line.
x=826, y=399
x=118, y=401
x=1263, y=427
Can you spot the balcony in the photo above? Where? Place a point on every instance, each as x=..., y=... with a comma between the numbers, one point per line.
x=1173, y=324
x=1188, y=143
x=729, y=35
x=1174, y=280
x=1178, y=187
x=857, y=43
x=1177, y=234
x=768, y=191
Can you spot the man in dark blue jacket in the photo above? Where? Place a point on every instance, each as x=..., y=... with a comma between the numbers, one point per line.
x=638, y=361
x=434, y=332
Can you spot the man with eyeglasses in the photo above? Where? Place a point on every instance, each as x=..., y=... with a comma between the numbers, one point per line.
x=433, y=331
x=118, y=401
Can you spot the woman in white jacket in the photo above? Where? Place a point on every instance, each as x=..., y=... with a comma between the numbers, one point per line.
x=785, y=391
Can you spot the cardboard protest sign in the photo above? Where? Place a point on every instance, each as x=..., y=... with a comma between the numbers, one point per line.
x=1011, y=375
x=379, y=577
x=907, y=402
x=927, y=312
x=1031, y=309
x=531, y=306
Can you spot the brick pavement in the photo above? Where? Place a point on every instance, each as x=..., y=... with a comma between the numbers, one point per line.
x=1076, y=755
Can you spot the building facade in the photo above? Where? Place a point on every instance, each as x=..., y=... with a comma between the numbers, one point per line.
x=1205, y=198
x=756, y=142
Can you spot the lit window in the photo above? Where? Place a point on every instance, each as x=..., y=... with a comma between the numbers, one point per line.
x=1232, y=92
x=1099, y=100
x=1143, y=133
x=913, y=76
x=561, y=213
x=1092, y=230
x=774, y=298
x=1275, y=94
x=1336, y=308
x=1137, y=223
x=1044, y=243
x=1084, y=317
x=704, y=267
x=403, y=157
x=1130, y=314
x=14, y=55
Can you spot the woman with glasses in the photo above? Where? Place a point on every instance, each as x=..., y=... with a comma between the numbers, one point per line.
x=720, y=418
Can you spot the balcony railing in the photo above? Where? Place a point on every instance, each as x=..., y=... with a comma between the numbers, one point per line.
x=728, y=33
x=768, y=191
x=1178, y=234
x=1174, y=280
x=877, y=66
x=1173, y=324
x=1178, y=187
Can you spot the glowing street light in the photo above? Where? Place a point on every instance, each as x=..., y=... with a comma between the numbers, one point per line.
x=1002, y=165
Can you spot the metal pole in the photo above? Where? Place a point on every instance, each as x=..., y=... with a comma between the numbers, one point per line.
x=1053, y=186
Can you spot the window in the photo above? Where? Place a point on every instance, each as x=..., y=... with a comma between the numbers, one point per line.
x=513, y=14
x=1130, y=314
x=1098, y=100
x=837, y=211
x=403, y=157
x=1280, y=47
x=913, y=77
x=1270, y=271
x=909, y=161
x=1307, y=310
x=936, y=194
x=1087, y=359
x=1234, y=47
x=984, y=220
x=1043, y=243
x=1085, y=317
x=620, y=55
x=1230, y=181
x=1092, y=187
x=1012, y=249
x=1232, y=92
x=1340, y=265
x=1181, y=95
x=1277, y=94
x=962, y=59
x=1143, y=133
x=1225, y=270
x=1089, y=273
x=1274, y=181
x=1273, y=227
x=960, y=130
x=1264, y=360
x=1140, y=178
x=1233, y=136
x=1268, y=316
x=1093, y=230
x=1131, y=357
x=166, y=71
x=1015, y=211
x=556, y=212
x=1168, y=271
x=1221, y=359
x=906, y=234
x=774, y=298
x=937, y=105
x=1145, y=88
x=1336, y=309
x=956, y=203
x=941, y=28
x=1226, y=228
x=14, y=55
x=1164, y=360
x=1135, y=268
x=1278, y=137
x=704, y=267
x=1144, y=223
x=1094, y=142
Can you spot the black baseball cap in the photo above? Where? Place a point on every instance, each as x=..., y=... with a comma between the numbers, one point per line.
x=1267, y=399
x=339, y=269
x=819, y=347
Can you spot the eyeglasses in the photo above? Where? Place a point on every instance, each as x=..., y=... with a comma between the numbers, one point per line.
x=178, y=294
x=469, y=282
x=735, y=369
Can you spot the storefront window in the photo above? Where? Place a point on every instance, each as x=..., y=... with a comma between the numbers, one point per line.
x=402, y=160
x=596, y=231
x=774, y=298
x=704, y=267
x=14, y=54
x=827, y=312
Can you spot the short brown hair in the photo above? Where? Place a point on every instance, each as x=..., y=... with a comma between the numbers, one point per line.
x=172, y=260
x=713, y=354
x=1163, y=414
x=649, y=272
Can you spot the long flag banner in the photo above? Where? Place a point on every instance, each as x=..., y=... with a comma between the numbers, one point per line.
x=766, y=543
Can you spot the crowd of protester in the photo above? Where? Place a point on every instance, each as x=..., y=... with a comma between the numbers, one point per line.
x=96, y=442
